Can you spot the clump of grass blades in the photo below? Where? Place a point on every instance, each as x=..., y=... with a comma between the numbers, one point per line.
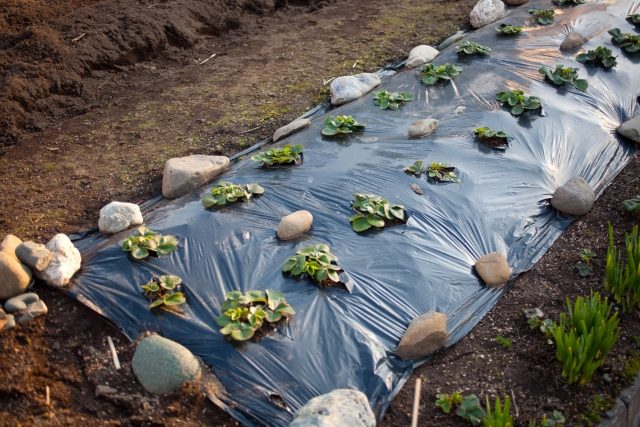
x=622, y=276
x=585, y=335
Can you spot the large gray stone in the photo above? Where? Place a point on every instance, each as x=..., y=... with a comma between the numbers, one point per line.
x=34, y=255
x=118, y=216
x=493, y=269
x=421, y=55
x=423, y=127
x=162, y=365
x=426, y=334
x=572, y=42
x=347, y=88
x=20, y=302
x=294, y=225
x=339, y=408
x=485, y=12
x=33, y=310
x=291, y=128
x=9, y=244
x=575, y=197
x=15, y=277
x=184, y=174
x=631, y=129
x=66, y=261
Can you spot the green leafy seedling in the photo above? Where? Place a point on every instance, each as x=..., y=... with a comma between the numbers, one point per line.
x=469, y=48
x=584, y=265
x=622, y=275
x=316, y=262
x=245, y=314
x=145, y=242
x=374, y=211
x=440, y=172
x=287, y=155
x=164, y=291
x=543, y=16
x=491, y=138
x=628, y=42
x=564, y=75
x=446, y=402
x=341, y=125
x=518, y=102
x=508, y=30
x=417, y=168
x=503, y=341
x=432, y=74
x=600, y=56
x=391, y=100
x=226, y=193
x=634, y=19
x=471, y=410
x=499, y=415
x=632, y=205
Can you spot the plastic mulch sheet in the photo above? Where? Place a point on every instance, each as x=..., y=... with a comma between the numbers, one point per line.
x=339, y=339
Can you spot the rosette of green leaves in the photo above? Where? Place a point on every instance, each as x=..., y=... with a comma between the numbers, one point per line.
x=391, y=100
x=632, y=205
x=440, y=172
x=317, y=262
x=569, y=2
x=562, y=75
x=374, y=211
x=472, y=48
x=341, y=125
x=280, y=156
x=432, y=74
x=491, y=137
x=417, y=168
x=543, y=16
x=627, y=41
x=517, y=101
x=585, y=335
x=145, y=241
x=508, y=29
x=634, y=19
x=226, y=193
x=164, y=291
x=243, y=314
x=600, y=56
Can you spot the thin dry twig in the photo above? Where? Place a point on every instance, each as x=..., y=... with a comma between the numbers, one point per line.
x=515, y=405
x=75, y=39
x=114, y=353
x=416, y=403
x=213, y=55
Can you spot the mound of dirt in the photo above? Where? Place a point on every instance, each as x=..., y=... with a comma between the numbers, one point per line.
x=48, y=48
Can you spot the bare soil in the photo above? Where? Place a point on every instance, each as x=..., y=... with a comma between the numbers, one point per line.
x=88, y=121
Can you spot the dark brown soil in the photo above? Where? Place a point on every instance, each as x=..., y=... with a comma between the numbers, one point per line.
x=97, y=118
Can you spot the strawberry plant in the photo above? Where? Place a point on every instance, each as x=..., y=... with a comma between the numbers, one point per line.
x=391, y=100
x=164, y=291
x=244, y=315
x=145, y=242
x=584, y=265
x=491, y=138
x=569, y=2
x=508, y=30
x=600, y=56
x=472, y=48
x=500, y=415
x=316, y=262
x=439, y=172
x=518, y=102
x=416, y=168
x=634, y=19
x=542, y=16
x=341, y=125
x=446, y=402
x=627, y=41
x=226, y=193
x=470, y=409
x=374, y=211
x=287, y=155
x=432, y=74
x=632, y=205
x=562, y=75
x=585, y=335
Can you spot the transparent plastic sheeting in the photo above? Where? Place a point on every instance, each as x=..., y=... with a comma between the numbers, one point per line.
x=339, y=339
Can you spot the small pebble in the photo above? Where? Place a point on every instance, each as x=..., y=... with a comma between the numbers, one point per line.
x=20, y=302
x=417, y=189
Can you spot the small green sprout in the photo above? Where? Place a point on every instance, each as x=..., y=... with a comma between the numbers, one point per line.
x=508, y=30
x=164, y=291
x=491, y=138
x=503, y=341
x=391, y=100
x=440, y=172
x=584, y=265
x=145, y=241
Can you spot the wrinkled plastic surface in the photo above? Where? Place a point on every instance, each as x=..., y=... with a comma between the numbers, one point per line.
x=339, y=339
